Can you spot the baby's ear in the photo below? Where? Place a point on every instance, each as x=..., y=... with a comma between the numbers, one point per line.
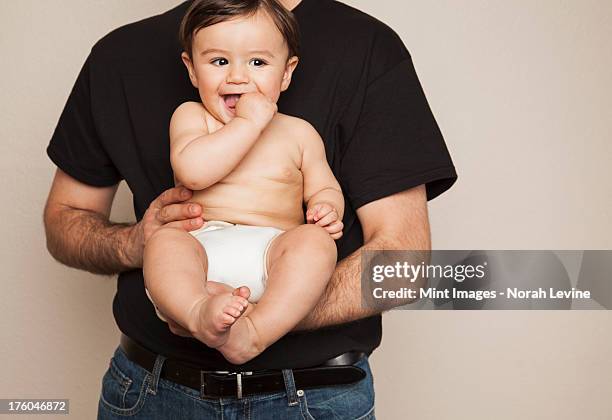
x=189, y=64
x=289, y=68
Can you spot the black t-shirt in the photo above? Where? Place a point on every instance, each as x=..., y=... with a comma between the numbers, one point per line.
x=355, y=84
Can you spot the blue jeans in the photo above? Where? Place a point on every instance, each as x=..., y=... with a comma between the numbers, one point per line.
x=128, y=390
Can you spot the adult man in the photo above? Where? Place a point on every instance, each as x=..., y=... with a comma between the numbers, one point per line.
x=356, y=85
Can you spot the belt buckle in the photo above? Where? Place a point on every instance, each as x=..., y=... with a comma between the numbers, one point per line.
x=228, y=373
x=239, y=382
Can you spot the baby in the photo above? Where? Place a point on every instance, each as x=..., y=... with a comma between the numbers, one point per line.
x=251, y=169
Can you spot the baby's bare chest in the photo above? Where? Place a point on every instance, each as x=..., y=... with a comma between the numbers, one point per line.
x=264, y=189
x=275, y=158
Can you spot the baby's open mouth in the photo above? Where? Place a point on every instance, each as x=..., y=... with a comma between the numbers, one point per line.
x=231, y=100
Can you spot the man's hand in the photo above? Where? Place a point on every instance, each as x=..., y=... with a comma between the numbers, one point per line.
x=169, y=209
x=326, y=216
x=256, y=108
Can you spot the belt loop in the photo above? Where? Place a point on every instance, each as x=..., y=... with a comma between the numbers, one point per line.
x=290, y=387
x=157, y=368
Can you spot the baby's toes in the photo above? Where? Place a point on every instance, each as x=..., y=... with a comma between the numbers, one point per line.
x=240, y=304
x=243, y=292
x=222, y=322
x=233, y=309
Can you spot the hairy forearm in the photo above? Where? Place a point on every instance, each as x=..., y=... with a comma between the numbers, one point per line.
x=88, y=241
x=342, y=301
x=332, y=196
x=209, y=158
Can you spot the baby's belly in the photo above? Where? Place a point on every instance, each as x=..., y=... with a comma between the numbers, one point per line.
x=279, y=206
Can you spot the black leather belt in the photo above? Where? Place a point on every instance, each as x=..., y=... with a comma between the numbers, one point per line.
x=216, y=384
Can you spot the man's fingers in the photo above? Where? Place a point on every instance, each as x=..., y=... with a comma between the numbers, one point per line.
x=172, y=195
x=187, y=225
x=172, y=212
x=336, y=235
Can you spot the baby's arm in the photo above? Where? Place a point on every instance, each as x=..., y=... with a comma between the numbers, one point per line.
x=322, y=192
x=201, y=158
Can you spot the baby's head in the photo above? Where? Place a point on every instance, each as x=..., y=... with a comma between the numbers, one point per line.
x=233, y=47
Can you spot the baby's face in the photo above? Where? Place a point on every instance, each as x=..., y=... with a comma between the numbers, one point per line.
x=247, y=54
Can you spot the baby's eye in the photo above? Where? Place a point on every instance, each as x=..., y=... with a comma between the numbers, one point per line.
x=220, y=62
x=258, y=62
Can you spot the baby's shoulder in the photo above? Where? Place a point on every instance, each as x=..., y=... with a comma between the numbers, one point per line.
x=297, y=127
x=188, y=113
x=290, y=121
x=193, y=114
x=190, y=108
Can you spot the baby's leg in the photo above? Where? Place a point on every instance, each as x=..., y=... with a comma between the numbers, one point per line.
x=175, y=267
x=301, y=262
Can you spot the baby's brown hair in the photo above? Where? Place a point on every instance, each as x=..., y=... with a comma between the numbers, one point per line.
x=203, y=13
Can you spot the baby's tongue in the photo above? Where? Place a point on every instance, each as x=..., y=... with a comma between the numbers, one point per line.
x=231, y=100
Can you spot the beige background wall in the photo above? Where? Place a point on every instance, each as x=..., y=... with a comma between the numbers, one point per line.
x=522, y=92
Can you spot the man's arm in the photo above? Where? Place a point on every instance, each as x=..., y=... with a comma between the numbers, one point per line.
x=80, y=235
x=396, y=222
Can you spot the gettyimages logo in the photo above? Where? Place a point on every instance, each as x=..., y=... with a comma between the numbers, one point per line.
x=412, y=272
x=486, y=279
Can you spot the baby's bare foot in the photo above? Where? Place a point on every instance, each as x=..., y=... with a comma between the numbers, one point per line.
x=242, y=291
x=215, y=315
x=243, y=343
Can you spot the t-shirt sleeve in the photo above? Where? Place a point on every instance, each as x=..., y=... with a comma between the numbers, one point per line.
x=75, y=146
x=396, y=143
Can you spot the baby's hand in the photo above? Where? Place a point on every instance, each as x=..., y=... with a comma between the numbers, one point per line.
x=256, y=108
x=325, y=216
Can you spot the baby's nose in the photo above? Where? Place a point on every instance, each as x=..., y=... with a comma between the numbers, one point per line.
x=237, y=74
